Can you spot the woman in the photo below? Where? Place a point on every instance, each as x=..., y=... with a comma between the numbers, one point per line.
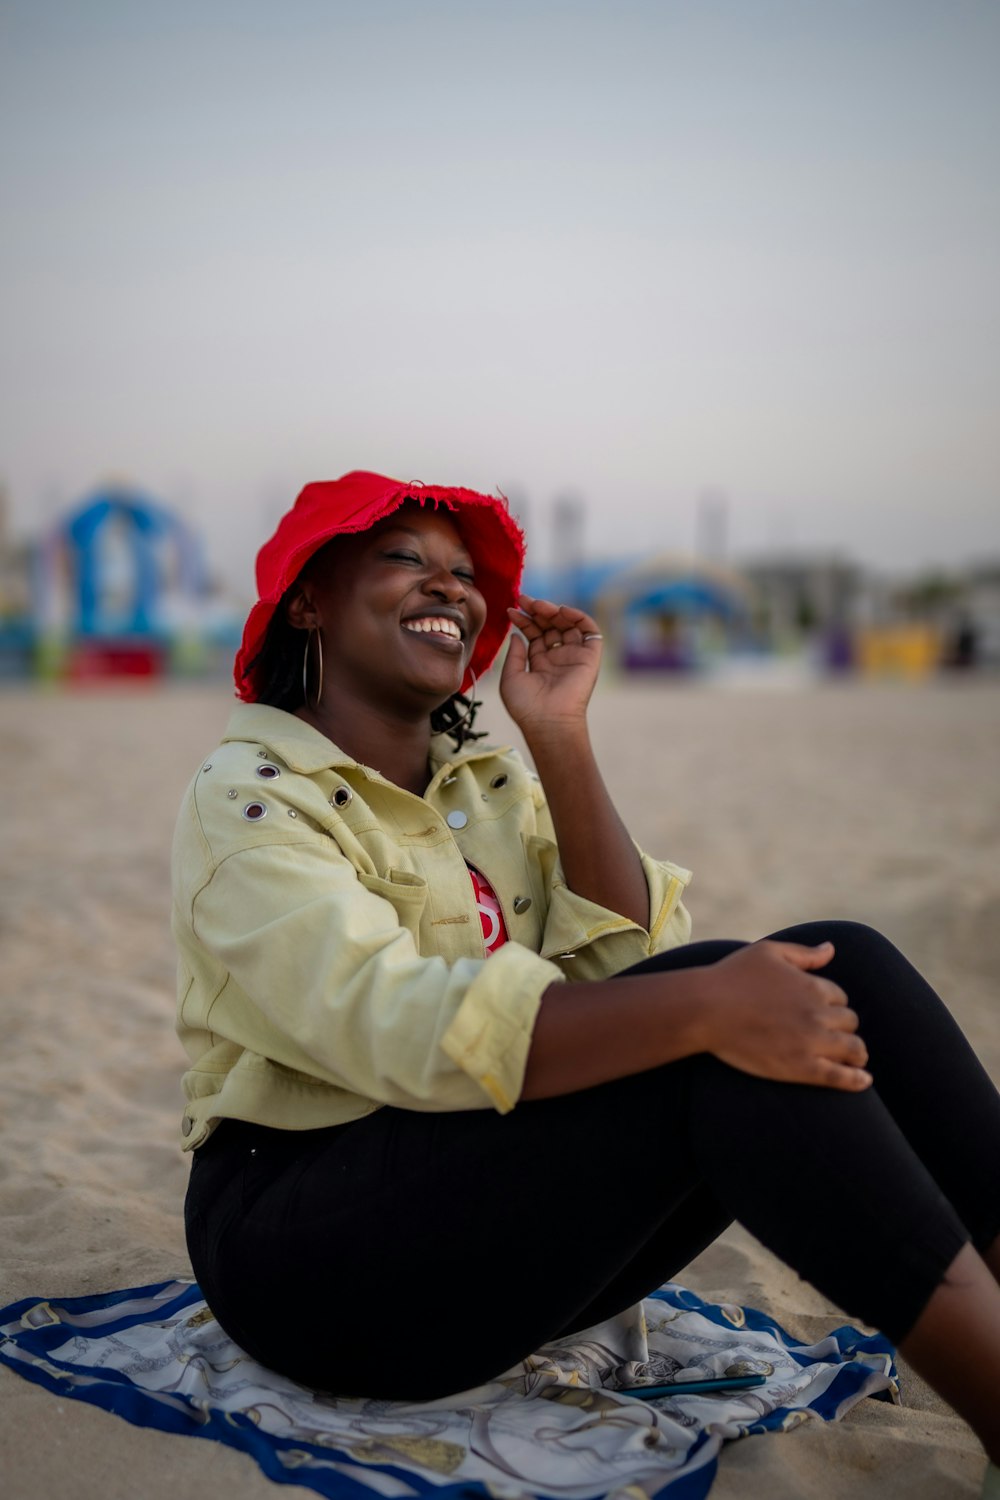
x=414, y=1049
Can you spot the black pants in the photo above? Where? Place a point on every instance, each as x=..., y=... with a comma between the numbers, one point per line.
x=348, y=1258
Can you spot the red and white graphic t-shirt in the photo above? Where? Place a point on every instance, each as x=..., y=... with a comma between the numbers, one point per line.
x=490, y=915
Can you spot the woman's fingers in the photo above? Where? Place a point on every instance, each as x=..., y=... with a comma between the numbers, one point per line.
x=777, y=1017
x=841, y=1023
x=842, y=1018
x=552, y=629
x=801, y=955
x=838, y=1061
x=551, y=667
x=834, y=1075
x=831, y=992
x=846, y=1046
x=544, y=615
x=549, y=613
x=525, y=623
x=517, y=656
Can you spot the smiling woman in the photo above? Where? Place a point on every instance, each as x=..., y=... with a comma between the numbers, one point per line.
x=399, y=609
x=432, y=999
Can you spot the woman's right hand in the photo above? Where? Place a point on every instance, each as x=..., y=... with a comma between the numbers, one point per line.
x=762, y=1009
x=768, y=1012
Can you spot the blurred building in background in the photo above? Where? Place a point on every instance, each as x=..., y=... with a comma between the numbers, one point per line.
x=673, y=613
x=780, y=614
x=17, y=603
x=119, y=587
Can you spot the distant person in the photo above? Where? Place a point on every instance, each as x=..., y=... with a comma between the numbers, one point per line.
x=447, y=1030
x=963, y=654
x=839, y=648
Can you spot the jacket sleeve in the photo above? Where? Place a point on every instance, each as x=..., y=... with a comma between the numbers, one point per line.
x=320, y=975
x=592, y=942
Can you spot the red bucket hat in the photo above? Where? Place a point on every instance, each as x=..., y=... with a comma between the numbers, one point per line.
x=354, y=503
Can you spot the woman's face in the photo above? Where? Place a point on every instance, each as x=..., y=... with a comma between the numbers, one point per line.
x=398, y=609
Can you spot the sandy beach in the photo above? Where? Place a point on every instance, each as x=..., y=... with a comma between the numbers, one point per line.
x=874, y=802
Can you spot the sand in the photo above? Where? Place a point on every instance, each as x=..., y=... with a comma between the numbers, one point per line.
x=880, y=803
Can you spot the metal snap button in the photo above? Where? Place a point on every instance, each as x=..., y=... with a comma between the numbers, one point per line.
x=232, y=794
x=292, y=813
x=342, y=796
x=187, y=1125
x=254, y=811
x=262, y=754
x=521, y=904
x=498, y=782
x=267, y=771
x=457, y=819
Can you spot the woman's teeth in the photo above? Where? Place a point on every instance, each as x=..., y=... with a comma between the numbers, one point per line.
x=433, y=625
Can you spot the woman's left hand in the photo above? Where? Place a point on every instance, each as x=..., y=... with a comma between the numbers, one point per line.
x=551, y=666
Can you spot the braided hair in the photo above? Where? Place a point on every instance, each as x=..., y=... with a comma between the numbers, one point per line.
x=277, y=674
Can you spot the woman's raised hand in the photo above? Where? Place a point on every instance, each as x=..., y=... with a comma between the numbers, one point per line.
x=551, y=666
x=769, y=1013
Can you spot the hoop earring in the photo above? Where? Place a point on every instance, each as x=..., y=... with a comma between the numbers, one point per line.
x=313, y=631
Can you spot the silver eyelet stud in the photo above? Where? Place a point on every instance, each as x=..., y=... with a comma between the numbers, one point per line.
x=262, y=754
x=457, y=819
x=208, y=767
x=448, y=780
x=268, y=771
x=232, y=794
x=521, y=904
x=498, y=782
x=342, y=796
x=254, y=811
x=292, y=813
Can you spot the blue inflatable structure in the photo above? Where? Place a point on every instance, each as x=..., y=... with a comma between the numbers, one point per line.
x=119, y=588
x=154, y=538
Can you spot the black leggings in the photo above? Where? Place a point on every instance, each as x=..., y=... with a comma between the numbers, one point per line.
x=349, y=1258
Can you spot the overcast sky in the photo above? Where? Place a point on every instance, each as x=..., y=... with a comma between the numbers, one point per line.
x=626, y=250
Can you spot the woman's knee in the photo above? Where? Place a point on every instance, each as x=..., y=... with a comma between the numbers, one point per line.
x=882, y=986
x=848, y=938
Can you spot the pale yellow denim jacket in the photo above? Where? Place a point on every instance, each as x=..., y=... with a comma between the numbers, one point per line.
x=330, y=949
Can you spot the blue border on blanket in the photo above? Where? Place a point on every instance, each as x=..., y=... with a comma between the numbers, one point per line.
x=849, y=1341
x=173, y=1412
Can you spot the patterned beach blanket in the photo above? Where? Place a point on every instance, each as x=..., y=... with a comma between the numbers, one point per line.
x=557, y=1426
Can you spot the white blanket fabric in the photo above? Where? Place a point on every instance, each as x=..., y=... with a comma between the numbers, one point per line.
x=555, y=1426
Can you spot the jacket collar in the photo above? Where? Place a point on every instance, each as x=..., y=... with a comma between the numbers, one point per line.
x=304, y=749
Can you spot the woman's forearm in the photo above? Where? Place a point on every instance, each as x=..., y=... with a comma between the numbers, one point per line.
x=765, y=1008
x=599, y=859
x=591, y=1033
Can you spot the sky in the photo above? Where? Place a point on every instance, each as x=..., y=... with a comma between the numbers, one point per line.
x=626, y=252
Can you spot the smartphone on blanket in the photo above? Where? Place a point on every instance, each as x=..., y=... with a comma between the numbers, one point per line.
x=692, y=1387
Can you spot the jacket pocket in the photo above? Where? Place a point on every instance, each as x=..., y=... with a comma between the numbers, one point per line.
x=405, y=893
